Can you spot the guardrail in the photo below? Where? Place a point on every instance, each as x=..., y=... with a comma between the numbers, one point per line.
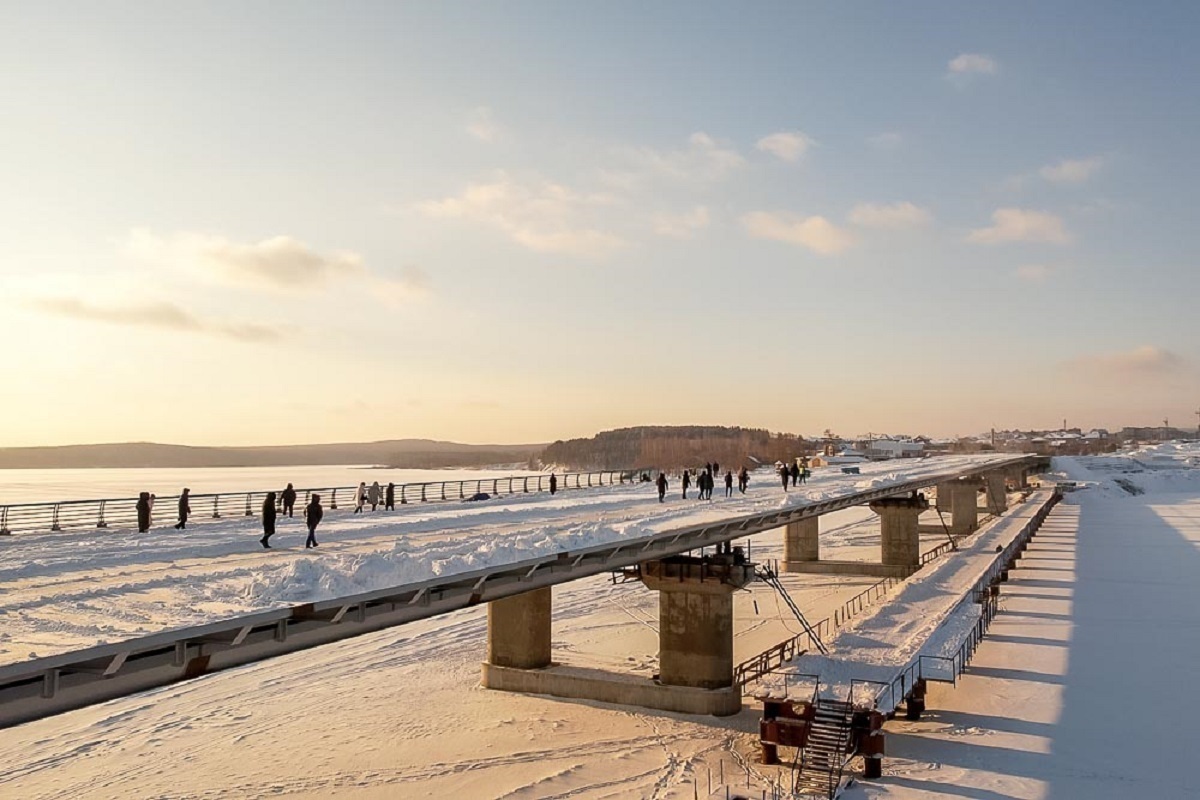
x=122, y=512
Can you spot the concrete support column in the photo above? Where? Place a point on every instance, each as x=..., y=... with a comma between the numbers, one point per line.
x=800, y=541
x=901, y=543
x=695, y=611
x=997, y=498
x=519, y=630
x=944, y=496
x=965, y=506
x=1019, y=476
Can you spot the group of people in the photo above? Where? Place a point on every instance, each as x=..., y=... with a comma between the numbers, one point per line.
x=313, y=513
x=797, y=472
x=145, y=510
x=705, y=482
x=371, y=494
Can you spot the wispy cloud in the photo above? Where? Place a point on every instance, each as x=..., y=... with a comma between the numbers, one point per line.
x=682, y=226
x=787, y=145
x=972, y=64
x=1146, y=361
x=162, y=315
x=894, y=216
x=482, y=125
x=815, y=233
x=1071, y=170
x=703, y=159
x=538, y=214
x=1039, y=273
x=1022, y=225
x=279, y=262
x=888, y=140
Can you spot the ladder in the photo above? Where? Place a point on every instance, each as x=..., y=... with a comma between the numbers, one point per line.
x=825, y=750
x=768, y=576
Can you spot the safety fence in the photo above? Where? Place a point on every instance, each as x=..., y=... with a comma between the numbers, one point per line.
x=122, y=512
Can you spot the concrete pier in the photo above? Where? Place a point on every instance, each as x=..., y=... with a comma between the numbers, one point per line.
x=901, y=542
x=519, y=630
x=997, y=488
x=695, y=635
x=964, y=514
x=800, y=543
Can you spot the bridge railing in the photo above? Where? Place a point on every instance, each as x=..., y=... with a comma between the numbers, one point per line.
x=122, y=512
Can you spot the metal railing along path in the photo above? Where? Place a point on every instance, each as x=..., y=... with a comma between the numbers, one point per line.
x=122, y=512
x=43, y=686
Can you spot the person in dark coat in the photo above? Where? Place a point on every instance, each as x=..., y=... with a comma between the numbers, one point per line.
x=184, y=510
x=143, y=512
x=743, y=480
x=716, y=469
x=662, y=486
x=312, y=517
x=289, y=499
x=268, y=520
x=389, y=498
x=553, y=483
x=729, y=483
x=786, y=474
x=706, y=485
x=795, y=473
x=687, y=481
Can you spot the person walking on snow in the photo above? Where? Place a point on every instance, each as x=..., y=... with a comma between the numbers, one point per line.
x=687, y=481
x=184, y=510
x=143, y=512
x=312, y=517
x=662, y=486
x=289, y=499
x=268, y=520
x=389, y=498
x=360, y=497
x=785, y=474
x=729, y=483
x=553, y=483
x=373, y=495
x=743, y=480
x=795, y=472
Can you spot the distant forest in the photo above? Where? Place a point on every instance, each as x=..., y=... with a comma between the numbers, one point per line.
x=673, y=447
x=400, y=453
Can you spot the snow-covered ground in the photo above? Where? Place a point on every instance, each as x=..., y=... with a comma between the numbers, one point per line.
x=71, y=590
x=1084, y=688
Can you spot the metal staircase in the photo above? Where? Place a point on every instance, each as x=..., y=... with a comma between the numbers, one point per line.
x=768, y=576
x=825, y=752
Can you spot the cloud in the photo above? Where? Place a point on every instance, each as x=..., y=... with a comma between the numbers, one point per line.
x=1020, y=225
x=816, y=233
x=1147, y=361
x=543, y=216
x=1071, y=171
x=704, y=159
x=279, y=262
x=682, y=226
x=411, y=283
x=1039, y=273
x=482, y=125
x=888, y=140
x=972, y=63
x=787, y=145
x=896, y=216
x=155, y=315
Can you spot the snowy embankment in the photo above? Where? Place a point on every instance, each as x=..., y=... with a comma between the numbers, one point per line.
x=60, y=592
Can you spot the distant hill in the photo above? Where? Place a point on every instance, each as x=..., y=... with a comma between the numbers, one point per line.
x=674, y=446
x=401, y=453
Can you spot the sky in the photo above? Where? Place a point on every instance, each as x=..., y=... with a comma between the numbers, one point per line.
x=261, y=223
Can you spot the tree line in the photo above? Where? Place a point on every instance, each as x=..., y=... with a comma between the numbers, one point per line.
x=675, y=447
